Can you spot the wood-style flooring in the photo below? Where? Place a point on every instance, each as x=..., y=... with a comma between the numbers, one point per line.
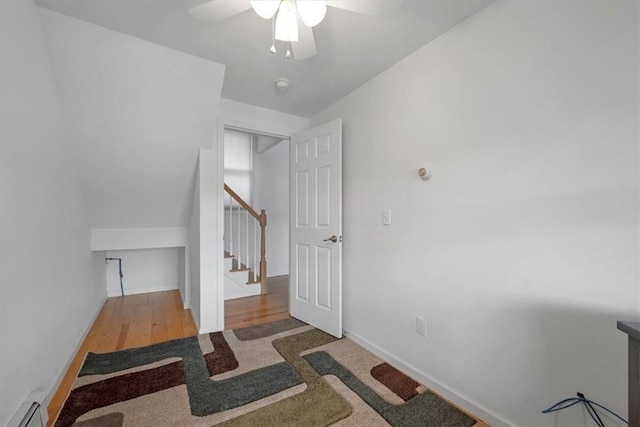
x=144, y=319
x=258, y=309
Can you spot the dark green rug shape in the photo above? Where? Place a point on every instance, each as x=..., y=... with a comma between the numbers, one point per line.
x=107, y=363
x=423, y=410
x=319, y=405
x=206, y=396
x=267, y=329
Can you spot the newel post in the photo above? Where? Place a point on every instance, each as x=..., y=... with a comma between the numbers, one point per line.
x=263, y=251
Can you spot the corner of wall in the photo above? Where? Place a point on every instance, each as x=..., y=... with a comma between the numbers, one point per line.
x=193, y=294
x=211, y=318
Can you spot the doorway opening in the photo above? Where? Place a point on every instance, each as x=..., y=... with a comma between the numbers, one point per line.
x=314, y=236
x=256, y=170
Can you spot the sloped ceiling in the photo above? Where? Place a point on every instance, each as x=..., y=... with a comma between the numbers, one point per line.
x=140, y=83
x=352, y=47
x=137, y=113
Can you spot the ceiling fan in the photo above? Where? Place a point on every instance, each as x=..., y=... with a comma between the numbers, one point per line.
x=292, y=19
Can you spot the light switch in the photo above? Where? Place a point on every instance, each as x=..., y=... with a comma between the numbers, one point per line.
x=386, y=216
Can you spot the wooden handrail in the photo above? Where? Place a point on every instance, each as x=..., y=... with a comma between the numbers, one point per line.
x=262, y=220
x=244, y=204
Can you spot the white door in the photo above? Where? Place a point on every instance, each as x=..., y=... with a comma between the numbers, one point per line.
x=315, y=277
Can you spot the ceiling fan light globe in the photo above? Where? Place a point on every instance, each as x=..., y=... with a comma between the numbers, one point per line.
x=311, y=12
x=287, y=22
x=265, y=8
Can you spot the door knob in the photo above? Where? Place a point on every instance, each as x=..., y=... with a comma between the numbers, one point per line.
x=333, y=239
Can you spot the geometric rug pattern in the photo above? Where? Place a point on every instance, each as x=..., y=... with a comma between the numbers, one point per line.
x=284, y=373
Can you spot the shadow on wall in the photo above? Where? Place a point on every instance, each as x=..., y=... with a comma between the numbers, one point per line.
x=568, y=350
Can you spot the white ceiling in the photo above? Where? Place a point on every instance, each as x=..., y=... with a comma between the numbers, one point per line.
x=352, y=48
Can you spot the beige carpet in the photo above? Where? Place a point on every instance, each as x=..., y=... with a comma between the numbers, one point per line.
x=283, y=373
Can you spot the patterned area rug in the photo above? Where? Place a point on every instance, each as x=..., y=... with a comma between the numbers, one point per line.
x=284, y=373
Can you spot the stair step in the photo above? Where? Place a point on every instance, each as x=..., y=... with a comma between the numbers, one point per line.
x=253, y=278
x=238, y=266
x=235, y=288
x=228, y=255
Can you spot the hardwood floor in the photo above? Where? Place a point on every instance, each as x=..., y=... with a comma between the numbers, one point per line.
x=249, y=311
x=126, y=322
x=139, y=320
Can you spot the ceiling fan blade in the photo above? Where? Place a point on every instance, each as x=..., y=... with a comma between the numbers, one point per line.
x=305, y=47
x=372, y=8
x=218, y=10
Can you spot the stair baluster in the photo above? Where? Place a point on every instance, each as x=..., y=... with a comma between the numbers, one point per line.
x=247, y=251
x=240, y=240
x=255, y=252
x=230, y=225
x=238, y=250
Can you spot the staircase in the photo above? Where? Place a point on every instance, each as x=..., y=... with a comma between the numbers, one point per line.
x=245, y=265
x=239, y=279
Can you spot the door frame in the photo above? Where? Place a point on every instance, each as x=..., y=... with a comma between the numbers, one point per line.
x=277, y=131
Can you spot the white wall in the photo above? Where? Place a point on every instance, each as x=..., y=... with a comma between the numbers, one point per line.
x=106, y=239
x=51, y=286
x=194, y=247
x=140, y=112
x=211, y=249
x=262, y=120
x=271, y=193
x=238, y=163
x=144, y=270
x=522, y=250
x=149, y=266
x=184, y=276
x=205, y=244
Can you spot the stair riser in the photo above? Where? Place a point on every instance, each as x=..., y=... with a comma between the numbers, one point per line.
x=233, y=291
x=235, y=285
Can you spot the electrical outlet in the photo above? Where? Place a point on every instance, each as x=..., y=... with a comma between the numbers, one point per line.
x=421, y=326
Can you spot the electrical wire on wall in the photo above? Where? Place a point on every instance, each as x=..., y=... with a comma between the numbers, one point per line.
x=589, y=406
x=120, y=271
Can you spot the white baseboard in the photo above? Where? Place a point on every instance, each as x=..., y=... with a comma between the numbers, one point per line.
x=209, y=330
x=185, y=304
x=136, y=291
x=36, y=396
x=196, y=322
x=485, y=414
x=76, y=348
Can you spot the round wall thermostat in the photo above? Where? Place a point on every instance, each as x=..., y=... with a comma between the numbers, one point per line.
x=424, y=173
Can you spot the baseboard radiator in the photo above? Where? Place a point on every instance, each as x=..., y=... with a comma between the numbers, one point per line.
x=30, y=414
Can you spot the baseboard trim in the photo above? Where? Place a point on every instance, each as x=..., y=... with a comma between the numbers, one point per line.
x=76, y=349
x=195, y=321
x=185, y=304
x=116, y=293
x=485, y=414
x=209, y=330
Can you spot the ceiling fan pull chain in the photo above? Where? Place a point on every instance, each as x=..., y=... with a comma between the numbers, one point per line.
x=288, y=55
